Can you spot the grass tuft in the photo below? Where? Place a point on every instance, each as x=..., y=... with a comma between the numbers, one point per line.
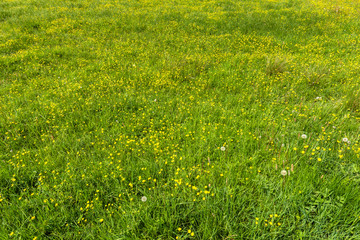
x=275, y=65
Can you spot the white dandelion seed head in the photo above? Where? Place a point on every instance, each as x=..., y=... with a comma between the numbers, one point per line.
x=283, y=145
x=222, y=148
x=303, y=136
x=283, y=172
x=345, y=140
x=143, y=198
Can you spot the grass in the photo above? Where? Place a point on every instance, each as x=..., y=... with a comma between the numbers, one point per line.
x=198, y=106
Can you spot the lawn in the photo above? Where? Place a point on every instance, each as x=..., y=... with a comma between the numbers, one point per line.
x=169, y=119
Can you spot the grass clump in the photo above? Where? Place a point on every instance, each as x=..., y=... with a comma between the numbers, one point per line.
x=275, y=65
x=316, y=75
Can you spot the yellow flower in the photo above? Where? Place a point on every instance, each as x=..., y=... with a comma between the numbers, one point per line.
x=319, y=159
x=12, y=233
x=179, y=229
x=101, y=220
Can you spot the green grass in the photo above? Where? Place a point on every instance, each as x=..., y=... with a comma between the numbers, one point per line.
x=196, y=105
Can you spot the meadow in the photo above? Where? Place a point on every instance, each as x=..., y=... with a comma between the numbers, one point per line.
x=179, y=119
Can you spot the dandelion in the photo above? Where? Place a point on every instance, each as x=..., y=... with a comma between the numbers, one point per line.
x=345, y=139
x=143, y=198
x=303, y=136
x=283, y=172
x=101, y=220
x=223, y=148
